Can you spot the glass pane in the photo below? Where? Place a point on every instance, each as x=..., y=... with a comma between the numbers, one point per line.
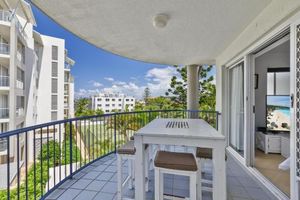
x=270, y=83
x=236, y=111
x=283, y=83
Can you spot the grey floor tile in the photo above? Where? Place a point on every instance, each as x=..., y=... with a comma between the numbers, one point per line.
x=91, y=175
x=81, y=184
x=69, y=194
x=110, y=187
x=86, y=195
x=55, y=194
x=105, y=176
x=96, y=185
x=104, y=196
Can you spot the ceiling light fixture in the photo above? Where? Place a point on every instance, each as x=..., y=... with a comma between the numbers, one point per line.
x=160, y=20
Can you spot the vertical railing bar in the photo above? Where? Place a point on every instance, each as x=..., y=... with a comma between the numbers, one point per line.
x=76, y=131
x=71, y=150
x=60, y=149
x=18, y=165
x=94, y=139
x=84, y=139
x=34, y=166
x=41, y=161
x=89, y=140
x=115, y=131
x=26, y=163
x=97, y=138
x=65, y=149
x=54, y=152
x=8, y=167
x=80, y=134
x=48, y=160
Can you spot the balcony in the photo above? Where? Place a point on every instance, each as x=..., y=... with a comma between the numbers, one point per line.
x=5, y=15
x=75, y=159
x=4, y=81
x=19, y=84
x=19, y=112
x=4, y=48
x=4, y=113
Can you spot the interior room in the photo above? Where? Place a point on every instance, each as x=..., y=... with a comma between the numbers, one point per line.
x=272, y=113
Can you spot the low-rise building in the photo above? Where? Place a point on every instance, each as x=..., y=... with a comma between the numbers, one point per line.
x=113, y=102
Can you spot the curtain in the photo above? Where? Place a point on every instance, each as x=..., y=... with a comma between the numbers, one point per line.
x=237, y=107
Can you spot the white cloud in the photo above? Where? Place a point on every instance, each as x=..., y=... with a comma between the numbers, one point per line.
x=86, y=92
x=109, y=79
x=96, y=83
x=158, y=81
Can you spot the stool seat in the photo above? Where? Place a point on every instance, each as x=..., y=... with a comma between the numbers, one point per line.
x=128, y=148
x=205, y=153
x=176, y=161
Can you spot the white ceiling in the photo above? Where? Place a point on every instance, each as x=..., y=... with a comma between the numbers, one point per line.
x=196, y=33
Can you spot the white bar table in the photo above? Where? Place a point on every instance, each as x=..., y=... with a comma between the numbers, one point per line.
x=187, y=132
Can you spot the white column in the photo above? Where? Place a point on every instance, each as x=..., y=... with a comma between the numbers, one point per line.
x=193, y=89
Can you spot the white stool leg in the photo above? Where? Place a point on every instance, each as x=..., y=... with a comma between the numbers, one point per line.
x=193, y=186
x=199, y=180
x=119, y=177
x=130, y=174
x=159, y=185
x=147, y=169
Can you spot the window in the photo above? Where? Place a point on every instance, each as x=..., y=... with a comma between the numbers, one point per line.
x=278, y=81
x=54, y=69
x=113, y=99
x=54, y=85
x=20, y=75
x=53, y=115
x=99, y=99
x=113, y=105
x=99, y=105
x=131, y=99
x=106, y=99
x=107, y=111
x=236, y=108
x=54, y=52
x=120, y=104
x=107, y=105
x=120, y=99
x=54, y=102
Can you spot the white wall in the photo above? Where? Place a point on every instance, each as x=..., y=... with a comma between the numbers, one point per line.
x=276, y=58
x=44, y=91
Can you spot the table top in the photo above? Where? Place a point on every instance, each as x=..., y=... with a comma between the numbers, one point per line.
x=181, y=128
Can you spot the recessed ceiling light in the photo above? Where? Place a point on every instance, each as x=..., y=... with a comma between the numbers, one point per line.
x=160, y=20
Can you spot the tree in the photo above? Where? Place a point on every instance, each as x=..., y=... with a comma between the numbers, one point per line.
x=178, y=88
x=146, y=95
x=82, y=108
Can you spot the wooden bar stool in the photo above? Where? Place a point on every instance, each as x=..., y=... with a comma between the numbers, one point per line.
x=183, y=164
x=127, y=151
x=203, y=154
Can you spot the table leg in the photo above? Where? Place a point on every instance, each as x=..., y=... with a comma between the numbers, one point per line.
x=139, y=168
x=219, y=172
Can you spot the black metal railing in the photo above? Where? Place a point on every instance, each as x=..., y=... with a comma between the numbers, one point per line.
x=40, y=158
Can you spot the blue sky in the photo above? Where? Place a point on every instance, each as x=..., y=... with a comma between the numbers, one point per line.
x=97, y=70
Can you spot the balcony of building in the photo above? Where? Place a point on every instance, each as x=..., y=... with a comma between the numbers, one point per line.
x=75, y=159
x=4, y=113
x=4, y=82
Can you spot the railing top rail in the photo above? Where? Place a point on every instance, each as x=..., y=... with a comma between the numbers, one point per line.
x=39, y=126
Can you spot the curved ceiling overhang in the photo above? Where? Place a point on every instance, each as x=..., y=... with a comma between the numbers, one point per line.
x=156, y=31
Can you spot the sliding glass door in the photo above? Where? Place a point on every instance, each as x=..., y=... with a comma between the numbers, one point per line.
x=236, y=108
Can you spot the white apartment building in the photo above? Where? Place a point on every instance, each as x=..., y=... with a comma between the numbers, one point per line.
x=113, y=102
x=36, y=85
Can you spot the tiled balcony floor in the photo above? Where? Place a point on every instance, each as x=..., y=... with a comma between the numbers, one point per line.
x=99, y=182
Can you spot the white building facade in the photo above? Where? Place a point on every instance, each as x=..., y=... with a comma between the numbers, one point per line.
x=109, y=103
x=33, y=87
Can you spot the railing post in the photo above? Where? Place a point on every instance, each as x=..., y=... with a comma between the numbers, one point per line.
x=115, y=131
x=71, y=151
